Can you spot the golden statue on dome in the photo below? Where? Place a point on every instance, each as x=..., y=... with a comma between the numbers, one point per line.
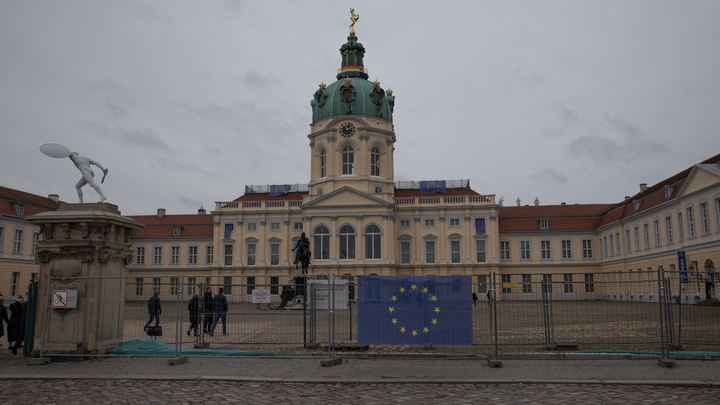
x=353, y=18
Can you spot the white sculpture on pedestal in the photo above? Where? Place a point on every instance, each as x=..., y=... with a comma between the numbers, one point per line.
x=82, y=163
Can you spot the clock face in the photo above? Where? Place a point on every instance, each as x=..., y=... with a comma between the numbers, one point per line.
x=347, y=129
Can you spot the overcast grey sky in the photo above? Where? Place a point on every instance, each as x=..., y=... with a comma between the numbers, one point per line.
x=188, y=101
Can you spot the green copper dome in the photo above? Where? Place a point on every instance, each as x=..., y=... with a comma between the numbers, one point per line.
x=352, y=93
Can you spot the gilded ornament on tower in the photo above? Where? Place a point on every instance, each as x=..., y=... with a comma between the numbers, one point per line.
x=353, y=18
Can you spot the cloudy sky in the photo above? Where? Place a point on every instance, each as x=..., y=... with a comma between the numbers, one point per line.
x=188, y=101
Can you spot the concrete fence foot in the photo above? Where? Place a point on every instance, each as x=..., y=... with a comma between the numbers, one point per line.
x=331, y=362
x=666, y=363
x=38, y=361
x=177, y=361
x=494, y=363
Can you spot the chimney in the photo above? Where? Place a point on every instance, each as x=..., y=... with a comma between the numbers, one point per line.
x=54, y=198
x=562, y=203
x=627, y=197
x=161, y=212
x=202, y=211
x=643, y=187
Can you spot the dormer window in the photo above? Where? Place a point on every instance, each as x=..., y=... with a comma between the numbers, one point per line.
x=668, y=191
x=19, y=208
x=544, y=224
x=637, y=204
x=177, y=230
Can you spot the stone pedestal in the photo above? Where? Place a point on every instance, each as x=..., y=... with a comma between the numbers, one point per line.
x=88, y=245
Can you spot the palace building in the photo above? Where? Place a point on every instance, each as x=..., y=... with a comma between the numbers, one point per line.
x=361, y=221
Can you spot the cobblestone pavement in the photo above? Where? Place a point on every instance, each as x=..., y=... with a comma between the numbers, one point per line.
x=229, y=392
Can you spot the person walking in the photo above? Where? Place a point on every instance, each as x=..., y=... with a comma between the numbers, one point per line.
x=220, y=307
x=207, y=310
x=474, y=299
x=489, y=295
x=15, y=323
x=194, y=311
x=154, y=309
x=21, y=337
x=3, y=318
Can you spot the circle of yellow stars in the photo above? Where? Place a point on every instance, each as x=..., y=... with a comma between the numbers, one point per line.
x=413, y=287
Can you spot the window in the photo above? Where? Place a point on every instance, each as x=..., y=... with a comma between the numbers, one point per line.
x=227, y=285
x=156, y=285
x=681, y=226
x=140, y=255
x=374, y=162
x=504, y=250
x=566, y=247
x=35, y=242
x=157, y=255
x=228, y=254
x=378, y=189
x=547, y=278
x=404, y=224
x=404, y=252
x=192, y=285
x=589, y=283
x=668, y=229
x=656, y=230
x=637, y=239
x=627, y=241
x=430, y=251
x=251, y=227
x=174, y=286
x=274, y=226
x=297, y=226
x=18, y=241
x=506, y=280
x=567, y=283
x=617, y=242
x=274, y=254
x=482, y=284
x=274, y=285
x=348, y=158
x=455, y=253
x=347, y=243
x=480, y=251
x=323, y=163
x=2, y=238
x=545, y=251
x=429, y=223
x=209, y=254
x=372, y=242
x=177, y=230
x=192, y=254
x=717, y=219
x=605, y=247
x=646, y=235
x=525, y=250
x=175, y=255
x=322, y=243
x=250, y=285
x=319, y=191
x=14, y=283
x=612, y=244
x=454, y=222
x=544, y=224
x=139, y=286
x=704, y=218
x=251, y=251
x=527, y=283
x=587, y=248
x=691, y=222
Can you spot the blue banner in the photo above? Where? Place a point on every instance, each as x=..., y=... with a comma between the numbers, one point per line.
x=427, y=187
x=479, y=225
x=682, y=267
x=228, y=230
x=279, y=190
x=429, y=310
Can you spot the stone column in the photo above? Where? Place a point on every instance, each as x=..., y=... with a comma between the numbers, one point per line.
x=83, y=240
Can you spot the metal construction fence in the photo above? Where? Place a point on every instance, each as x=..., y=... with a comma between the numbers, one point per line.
x=516, y=316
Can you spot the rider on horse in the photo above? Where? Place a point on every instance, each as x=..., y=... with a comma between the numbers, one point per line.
x=302, y=252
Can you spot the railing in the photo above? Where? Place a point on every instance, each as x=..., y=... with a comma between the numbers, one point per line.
x=274, y=204
x=454, y=199
x=480, y=198
x=265, y=188
x=445, y=200
x=402, y=201
x=229, y=205
x=362, y=70
x=429, y=200
x=412, y=184
x=296, y=203
x=252, y=204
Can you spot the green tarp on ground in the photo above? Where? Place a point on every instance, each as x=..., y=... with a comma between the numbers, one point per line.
x=151, y=347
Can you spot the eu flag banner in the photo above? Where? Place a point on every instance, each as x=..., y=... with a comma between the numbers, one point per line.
x=228, y=230
x=426, y=310
x=479, y=225
x=427, y=187
x=278, y=190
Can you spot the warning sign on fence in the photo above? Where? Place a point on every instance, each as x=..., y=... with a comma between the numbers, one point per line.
x=64, y=299
x=322, y=294
x=260, y=296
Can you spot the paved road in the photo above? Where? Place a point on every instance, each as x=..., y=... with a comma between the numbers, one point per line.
x=71, y=391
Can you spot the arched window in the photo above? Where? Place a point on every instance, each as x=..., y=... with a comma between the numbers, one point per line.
x=374, y=162
x=323, y=163
x=348, y=160
x=322, y=243
x=372, y=242
x=347, y=243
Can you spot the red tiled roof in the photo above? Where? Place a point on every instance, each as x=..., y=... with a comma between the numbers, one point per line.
x=167, y=232
x=266, y=197
x=415, y=192
x=193, y=226
x=556, y=224
x=174, y=220
x=32, y=204
x=554, y=211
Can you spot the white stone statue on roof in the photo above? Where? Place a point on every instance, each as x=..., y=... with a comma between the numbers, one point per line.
x=82, y=163
x=537, y=202
x=518, y=202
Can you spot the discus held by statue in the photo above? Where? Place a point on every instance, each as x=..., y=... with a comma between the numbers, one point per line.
x=55, y=150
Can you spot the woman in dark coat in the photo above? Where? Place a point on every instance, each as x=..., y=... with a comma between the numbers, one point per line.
x=194, y=311
x=3, y=318
x=15, y=323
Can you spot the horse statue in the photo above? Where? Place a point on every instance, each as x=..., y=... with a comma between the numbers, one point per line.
x=302, y=253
